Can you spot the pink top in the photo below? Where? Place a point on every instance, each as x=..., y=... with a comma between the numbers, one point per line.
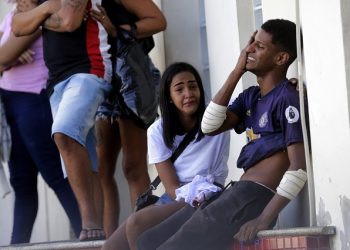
x=24, y=77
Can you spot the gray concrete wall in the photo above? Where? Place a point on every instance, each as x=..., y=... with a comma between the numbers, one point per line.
x=184, y=38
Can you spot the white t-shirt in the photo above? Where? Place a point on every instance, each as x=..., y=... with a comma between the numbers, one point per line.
x=207, y=156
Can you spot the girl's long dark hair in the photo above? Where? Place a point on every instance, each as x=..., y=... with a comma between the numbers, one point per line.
x=171, y=120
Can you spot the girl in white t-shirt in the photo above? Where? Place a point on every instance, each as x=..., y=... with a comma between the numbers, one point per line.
x=182, y=106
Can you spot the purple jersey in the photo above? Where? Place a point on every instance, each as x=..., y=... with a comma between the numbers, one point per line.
x=271, y=122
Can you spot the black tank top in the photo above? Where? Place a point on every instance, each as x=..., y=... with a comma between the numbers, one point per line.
x=119, y=15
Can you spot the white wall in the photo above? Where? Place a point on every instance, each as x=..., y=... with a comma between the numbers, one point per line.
x=183, y=36
x=329, y=113
x=158, y=53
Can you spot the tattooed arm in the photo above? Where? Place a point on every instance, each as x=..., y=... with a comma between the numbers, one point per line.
x=27, y=22
x=68, y=17
x=56, y=15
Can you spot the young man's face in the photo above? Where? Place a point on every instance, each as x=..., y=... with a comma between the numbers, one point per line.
x=261, y=53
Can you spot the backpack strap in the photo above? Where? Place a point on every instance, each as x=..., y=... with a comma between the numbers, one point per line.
x=183, y=144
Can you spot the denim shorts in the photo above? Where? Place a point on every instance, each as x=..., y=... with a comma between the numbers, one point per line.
x=164, y=199
x=115, y=106
x=74, y=103
x=111, y=110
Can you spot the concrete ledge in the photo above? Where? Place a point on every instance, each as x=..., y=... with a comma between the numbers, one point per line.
x=299, y=231
x=299, y=238
x=86, y=245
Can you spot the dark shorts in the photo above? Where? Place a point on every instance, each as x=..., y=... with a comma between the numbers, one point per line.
x=111, y=110
x=211, y=227
x=114, y=107
x=164, y=199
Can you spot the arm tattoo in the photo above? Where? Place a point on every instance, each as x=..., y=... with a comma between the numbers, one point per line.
x=76, y=5
x=54, y=21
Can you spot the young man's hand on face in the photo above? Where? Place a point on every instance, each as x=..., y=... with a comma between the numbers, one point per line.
x=242, y=60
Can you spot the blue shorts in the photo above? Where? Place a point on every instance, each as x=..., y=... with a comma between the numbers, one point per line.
x=74, y=103
x=164, y=199
x=115, y=107
x=110, y=110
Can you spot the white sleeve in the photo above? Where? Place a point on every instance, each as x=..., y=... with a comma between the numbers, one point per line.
x=157, y=150
x=220, y=169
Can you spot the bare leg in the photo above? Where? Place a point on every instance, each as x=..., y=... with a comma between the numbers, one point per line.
x=80, y=177
x=134, y=144
x=117, y=240
x=98, y=197
x=126, y=235
x=147, y=218
x=108, y=147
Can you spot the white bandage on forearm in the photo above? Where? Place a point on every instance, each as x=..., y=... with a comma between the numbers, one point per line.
x=291, y=183
x=214, y=116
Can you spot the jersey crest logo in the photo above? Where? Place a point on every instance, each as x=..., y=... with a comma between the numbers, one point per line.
x=292, y=114
x=263, y=120
x=251, y=135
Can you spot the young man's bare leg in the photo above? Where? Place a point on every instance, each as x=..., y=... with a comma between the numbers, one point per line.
x=98, y=198
x=80, y=177
x=108, y=148
x=134, y=144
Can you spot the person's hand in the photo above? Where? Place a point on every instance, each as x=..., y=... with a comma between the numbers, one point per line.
x=293, y=81
x=26, y=57
x=249, y=230
x=52, y=6
x=86, y=15
x=242, y=60
x=100, y=15
x=25, y=5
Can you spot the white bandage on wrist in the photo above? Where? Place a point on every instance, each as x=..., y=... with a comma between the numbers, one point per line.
x=291, y=183
x=214, y=116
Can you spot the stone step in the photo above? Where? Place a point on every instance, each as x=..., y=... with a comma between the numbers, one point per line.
x=82, y=245
x=307, y=238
